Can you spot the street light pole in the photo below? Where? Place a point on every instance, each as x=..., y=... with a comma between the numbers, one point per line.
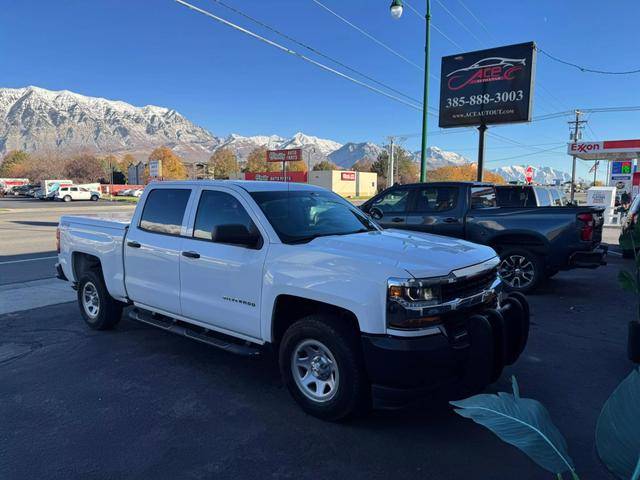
x=396, y=12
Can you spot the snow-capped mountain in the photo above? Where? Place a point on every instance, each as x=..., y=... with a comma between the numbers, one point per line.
x=437, y=158
x=351, y=152
x=243, y=146
x=33, y=119
x=541, y=174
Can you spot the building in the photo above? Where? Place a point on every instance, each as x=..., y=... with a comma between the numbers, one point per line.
x=346, y=183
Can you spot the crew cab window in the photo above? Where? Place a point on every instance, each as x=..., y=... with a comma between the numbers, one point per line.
x=515, y=196
x=483, y=197
x=392, y=202
x=219, y=208
x=436, y=199
x=164, y=210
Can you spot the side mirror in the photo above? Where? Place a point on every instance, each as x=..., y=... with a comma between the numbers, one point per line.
x=235, y=235
x=376, y=213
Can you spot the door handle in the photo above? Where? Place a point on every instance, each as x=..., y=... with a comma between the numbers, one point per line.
x=191, y=254
x=397, y=219
x=450, y=220
x=133, y=244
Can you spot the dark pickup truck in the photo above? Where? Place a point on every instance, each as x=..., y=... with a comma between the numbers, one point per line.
x=533, y=242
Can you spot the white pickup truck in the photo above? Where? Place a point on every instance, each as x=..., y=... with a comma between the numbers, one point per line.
x=358, y=316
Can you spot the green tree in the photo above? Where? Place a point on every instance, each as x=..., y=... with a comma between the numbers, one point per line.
x=223, y=163
x=406, y=170
x=14, y=164
x=257, y=161
x=172, y=165
x=325, y=165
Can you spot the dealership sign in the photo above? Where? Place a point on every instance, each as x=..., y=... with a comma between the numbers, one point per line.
x=487, y=86
x=290, y=155
x=348, y=176
x=300, y=177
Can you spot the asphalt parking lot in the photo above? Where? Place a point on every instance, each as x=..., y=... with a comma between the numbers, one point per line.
x=137, y=402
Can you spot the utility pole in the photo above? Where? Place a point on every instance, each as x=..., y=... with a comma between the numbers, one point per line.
x=574, y=137
x=595, y=172
x=391, y=171
x=311, y=150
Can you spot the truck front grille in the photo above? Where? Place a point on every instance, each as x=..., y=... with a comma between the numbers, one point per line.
x=469, y=286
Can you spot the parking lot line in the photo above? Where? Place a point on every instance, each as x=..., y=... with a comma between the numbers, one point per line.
x=27, y=260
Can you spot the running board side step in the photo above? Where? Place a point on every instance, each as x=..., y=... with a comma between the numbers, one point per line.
x=205, y=336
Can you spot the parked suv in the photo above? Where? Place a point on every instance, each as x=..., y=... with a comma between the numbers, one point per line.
x=530, y=196
x=355, y=313
x=67, y=194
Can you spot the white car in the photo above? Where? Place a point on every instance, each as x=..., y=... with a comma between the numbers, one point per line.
x=67, y=194
x=354, y=312
x=137, y=193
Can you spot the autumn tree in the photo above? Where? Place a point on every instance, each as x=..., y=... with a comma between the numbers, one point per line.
x=406, y=170
x=462, y=173
x=257, y=161
x=325, y=165
x=223, y=163
x=14, y=164
x=172, y=165
x=300, y=166
x=362, y=165
x=84, y=168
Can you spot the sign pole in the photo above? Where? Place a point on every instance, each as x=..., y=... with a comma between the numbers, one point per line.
x=284, y=172
x=481, y=129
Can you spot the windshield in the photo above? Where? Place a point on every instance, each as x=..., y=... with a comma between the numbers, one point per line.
x=300, y=216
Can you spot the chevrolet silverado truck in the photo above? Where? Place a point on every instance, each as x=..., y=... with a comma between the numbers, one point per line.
x=358, y=316
x=534, y=243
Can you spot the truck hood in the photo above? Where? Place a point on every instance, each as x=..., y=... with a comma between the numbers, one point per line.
x=422, y=255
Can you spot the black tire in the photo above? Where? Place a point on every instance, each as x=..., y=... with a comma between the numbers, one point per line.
x=108, y=312
x=352, y=389
x=530, y=273
x=94, y=198
x=67, y=198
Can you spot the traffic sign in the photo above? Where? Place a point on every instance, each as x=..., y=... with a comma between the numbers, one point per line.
x=528, y=174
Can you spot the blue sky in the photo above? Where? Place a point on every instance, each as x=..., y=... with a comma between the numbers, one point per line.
x=158, y=52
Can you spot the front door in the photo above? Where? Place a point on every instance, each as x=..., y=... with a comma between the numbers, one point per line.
x=221, y=283
x=436, y=209
x=390, y=208
x=152, y=250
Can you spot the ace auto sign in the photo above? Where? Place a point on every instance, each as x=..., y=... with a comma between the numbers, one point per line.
x=487, y=86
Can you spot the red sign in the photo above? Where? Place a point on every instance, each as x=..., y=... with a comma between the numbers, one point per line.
x=528, y=174
x=290, y=155
x=348, y=176
x=298, y=177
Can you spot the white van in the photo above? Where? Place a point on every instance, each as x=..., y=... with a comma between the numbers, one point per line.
x=76, y=192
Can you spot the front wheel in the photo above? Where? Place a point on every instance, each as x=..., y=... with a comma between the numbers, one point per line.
x=94, y=198
x=321, y=365
x=67, y=198
x=521, y=270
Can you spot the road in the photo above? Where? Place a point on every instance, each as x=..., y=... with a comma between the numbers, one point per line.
x=28, y=235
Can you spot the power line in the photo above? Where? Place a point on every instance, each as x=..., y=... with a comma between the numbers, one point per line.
x=462, y=24
x=586, y=69
x=371, y=37
x=524, y=155
x=316, y=51
x=435, y=27
x=298, y=55
x=473, y=15
x=368, y=35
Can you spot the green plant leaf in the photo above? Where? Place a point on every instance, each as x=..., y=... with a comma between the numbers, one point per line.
x=627, y=281
x=521, y=422
x=618, y=429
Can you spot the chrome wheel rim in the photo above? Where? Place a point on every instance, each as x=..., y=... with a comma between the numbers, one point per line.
x=90, y=300
x=517, y=271
x=315, y=370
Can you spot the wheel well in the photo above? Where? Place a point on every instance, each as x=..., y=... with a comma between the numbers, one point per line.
x=289, y=308
x=83, y=262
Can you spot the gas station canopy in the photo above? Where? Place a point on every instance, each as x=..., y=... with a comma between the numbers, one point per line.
x=605, y=150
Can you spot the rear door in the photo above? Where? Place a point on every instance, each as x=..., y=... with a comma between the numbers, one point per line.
x=392, y=205
x=152, y=249
x=436, y=209
x=221, y=283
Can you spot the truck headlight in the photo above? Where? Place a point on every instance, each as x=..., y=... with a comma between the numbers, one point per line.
x=406, y=299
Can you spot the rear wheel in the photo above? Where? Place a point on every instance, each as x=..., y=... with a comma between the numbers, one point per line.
x=67, y=198
x=99, y=309
x=94, y=198
x=321, y=365
x=521, y=270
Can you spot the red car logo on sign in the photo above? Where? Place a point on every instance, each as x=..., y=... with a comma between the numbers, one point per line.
x=491, y=69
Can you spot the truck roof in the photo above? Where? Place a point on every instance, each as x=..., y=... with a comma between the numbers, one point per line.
x=452, y=184
x=248, y=185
